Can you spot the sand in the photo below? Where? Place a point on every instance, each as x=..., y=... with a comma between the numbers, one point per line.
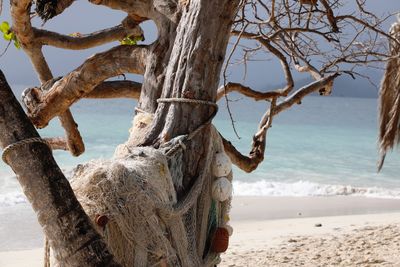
x=352, y=240
x=268, y=231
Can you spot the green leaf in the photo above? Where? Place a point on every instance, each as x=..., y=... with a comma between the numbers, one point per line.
x=4, y=27
x=8, y=36
x=131, y=40
x=17, y=44
x=128, y=41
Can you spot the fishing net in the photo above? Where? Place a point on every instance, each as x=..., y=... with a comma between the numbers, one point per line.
x=147, y=225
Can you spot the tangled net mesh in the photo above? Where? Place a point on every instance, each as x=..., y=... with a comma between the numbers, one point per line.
x=128, y=191
x=147, y=225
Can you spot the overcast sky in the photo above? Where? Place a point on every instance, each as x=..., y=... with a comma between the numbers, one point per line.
x=84, y=17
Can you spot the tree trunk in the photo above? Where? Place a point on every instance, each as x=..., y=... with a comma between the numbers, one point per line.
x=65, y=224
x=193, y=72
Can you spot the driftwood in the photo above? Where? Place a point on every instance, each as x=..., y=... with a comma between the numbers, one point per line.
x=64, y=222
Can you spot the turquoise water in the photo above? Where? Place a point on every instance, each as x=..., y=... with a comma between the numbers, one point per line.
x=326, y=146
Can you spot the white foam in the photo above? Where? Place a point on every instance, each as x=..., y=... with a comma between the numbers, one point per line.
x=306, y=188
x=11, y=199
x=266, y=188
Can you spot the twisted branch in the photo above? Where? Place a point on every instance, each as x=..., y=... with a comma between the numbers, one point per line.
x=121, y=59
x=23, y=29
x=247, y=91
x=116, y=89
x=256, y=156
x=116, y=33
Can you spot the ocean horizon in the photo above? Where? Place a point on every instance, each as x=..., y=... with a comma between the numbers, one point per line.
x=326, y=146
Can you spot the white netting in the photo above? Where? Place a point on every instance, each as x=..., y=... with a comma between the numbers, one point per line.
x=147, y=225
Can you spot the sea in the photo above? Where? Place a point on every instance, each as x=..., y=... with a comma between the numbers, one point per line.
x=327, y=146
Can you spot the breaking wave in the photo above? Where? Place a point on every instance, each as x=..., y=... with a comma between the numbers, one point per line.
x=306, y=188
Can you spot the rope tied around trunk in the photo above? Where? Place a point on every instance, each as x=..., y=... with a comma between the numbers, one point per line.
x=15, y=145
x=180, y=144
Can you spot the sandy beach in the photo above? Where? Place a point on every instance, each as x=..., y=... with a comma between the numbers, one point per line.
x=268, y=231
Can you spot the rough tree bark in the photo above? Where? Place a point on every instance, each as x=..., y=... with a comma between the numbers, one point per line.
x=64, y=222
x=193, y=71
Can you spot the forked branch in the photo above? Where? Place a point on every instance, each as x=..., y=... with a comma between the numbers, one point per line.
x=256, y=156
x=119, y=60
x=20, y=11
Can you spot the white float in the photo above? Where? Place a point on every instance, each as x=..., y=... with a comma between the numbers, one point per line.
x=221, y=189
x=222, y=165
x=229, y=229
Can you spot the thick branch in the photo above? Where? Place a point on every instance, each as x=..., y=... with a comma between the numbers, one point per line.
x=170, y=8
x=245, y=163
x=330, y=16
x=64, y=222
x=87, y=41
x=142, y=8
x=57, y=143
x=21, y=21
x=23, y=30
x=48, y=9
x=308, y=68
x=256, y=156
x=75, y=85
x=247, y=91
x=116, y=89
x=297, y=96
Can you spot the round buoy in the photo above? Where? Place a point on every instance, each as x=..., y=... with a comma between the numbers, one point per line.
x=221, y=189
x=101, y=220
x=221, y=240
x=222, y=165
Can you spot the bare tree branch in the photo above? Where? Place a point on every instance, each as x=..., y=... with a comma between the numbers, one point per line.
x=87, y=41
x=247, y=91
x=57, y=143
x=121, y=59
x=24, y=32
x=278, y=54
x=142, y=8
x=330, y=16
x=256, y=156
x=48, y=9
x=116, y=89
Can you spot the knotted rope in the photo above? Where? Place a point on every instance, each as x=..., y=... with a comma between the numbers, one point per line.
x=15, y=145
